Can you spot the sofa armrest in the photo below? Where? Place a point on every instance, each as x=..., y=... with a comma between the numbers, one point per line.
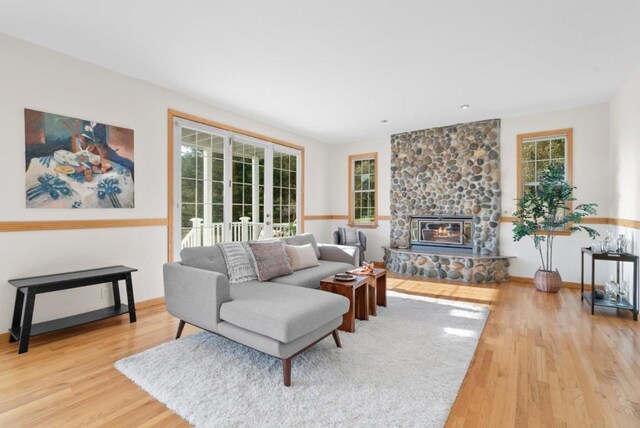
x=340, y=253
x=195, y=295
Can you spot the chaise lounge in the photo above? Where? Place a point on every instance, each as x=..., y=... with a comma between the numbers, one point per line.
x=282, y=317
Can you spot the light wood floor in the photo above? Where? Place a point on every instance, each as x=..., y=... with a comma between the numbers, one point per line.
x=542, y=360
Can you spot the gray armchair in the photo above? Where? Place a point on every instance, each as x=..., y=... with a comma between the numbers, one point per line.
x=362, y=247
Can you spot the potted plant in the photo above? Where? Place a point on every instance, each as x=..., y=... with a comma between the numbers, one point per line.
x=542, y=213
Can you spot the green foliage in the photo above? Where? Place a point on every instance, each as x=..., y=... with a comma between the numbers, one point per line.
x=544, y=212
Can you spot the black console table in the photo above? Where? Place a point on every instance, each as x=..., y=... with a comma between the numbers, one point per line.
x=613, y=257
x=30, y=287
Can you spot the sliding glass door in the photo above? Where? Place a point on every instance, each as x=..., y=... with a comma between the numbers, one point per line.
x=285, y=191
x=231, y=187
x=202, y=198
x=248, y=207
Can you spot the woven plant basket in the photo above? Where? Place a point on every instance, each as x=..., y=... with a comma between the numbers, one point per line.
x=547, y=281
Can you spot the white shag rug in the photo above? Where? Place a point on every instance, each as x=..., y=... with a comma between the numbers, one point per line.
x=401, y=368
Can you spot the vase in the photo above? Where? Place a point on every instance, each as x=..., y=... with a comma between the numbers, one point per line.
x=547, y=281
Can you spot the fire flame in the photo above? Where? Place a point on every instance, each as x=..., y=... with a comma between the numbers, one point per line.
x=443, y=232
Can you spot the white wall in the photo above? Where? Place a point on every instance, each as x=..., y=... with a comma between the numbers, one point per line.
x=37, y=78
x=624, y=149
x=590, y=175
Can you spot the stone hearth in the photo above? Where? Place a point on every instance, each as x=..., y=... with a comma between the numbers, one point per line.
x=447, y=265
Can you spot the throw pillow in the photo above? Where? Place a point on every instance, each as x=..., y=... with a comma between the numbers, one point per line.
x=301, y=256
x=237, y=256
x=271, y=259
x=349, y=236
x=305, y=238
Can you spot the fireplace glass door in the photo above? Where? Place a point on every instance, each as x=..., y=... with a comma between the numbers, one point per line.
x=441, y=232
x=453, y=232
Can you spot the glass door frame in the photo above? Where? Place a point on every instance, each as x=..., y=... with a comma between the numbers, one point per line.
x=174, y=226
x=299, y=180
x=268, y=180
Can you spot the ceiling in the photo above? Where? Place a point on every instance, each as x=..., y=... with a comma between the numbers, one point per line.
x=332, y=70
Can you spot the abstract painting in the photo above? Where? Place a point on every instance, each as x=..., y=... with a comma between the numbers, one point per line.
x=76, y=163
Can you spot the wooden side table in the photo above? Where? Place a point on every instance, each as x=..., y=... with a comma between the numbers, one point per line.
x=357, y=291
x=377, y=288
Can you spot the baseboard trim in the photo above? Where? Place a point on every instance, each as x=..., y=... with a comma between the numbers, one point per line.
x=529, y=281
x=145, y=304
x=158, y=301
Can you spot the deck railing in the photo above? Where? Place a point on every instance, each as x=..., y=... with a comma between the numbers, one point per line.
x=243, y=230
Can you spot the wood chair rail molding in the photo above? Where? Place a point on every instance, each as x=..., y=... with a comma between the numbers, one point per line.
x=634, y=224
x=175, y=114
x=39, y=225
x=339, y=217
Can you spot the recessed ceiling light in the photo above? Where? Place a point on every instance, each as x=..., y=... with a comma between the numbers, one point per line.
x=384, y=121
x=465, y=106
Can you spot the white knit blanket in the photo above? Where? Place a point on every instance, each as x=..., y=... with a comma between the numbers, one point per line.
x=239, y=260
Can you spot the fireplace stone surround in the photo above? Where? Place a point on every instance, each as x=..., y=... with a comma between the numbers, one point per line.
x=447, y=172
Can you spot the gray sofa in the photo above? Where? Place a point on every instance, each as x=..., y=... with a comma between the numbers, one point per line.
x=282, y=317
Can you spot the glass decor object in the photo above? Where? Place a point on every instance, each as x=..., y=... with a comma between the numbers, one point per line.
x=608, y=242
x=610, y=288
x=623, y=289
x=621, y=244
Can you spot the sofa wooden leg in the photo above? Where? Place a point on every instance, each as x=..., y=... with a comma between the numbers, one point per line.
x=180, y=328
x=336, y=337
x=286, y=371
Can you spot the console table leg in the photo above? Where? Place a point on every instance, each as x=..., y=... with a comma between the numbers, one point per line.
x=130, y=300
x=25, y=332
x=581, y=277
x=17, y=314
x=116, y=294
x=593, y=285
x=635, y=290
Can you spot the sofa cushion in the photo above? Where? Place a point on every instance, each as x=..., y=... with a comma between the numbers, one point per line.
x=301, y=256
x=305, y=238
x=270, y=258
x=311, y=277
x=349, y=236
x=208, y=258
x=281, y=312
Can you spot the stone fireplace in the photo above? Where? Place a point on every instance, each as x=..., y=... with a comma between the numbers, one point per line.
x=445, y=203
x=447, y=172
